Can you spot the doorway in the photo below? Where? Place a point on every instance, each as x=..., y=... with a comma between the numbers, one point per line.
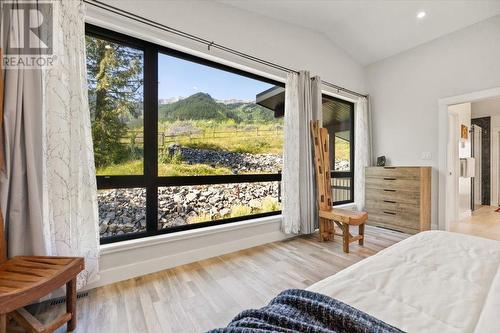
x=449, y=162
x=471, y=166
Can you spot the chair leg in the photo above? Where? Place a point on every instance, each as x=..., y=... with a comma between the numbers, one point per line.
x=332, y=230
x=322, y=225
x=71, y=303
x=361, y=241
x=345, y=235
x=3, y=323
x=324, y=229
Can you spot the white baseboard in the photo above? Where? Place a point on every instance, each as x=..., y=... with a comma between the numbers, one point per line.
x=126, y=260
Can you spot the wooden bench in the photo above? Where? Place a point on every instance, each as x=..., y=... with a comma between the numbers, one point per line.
x=24, y=280
x=329, y=216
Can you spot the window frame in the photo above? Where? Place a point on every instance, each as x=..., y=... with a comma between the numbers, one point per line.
x=150, y=179
x=350, y=173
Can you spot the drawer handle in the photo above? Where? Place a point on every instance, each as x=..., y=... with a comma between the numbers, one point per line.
x=387, y=178
x=389, y=201
x=390, y=213
x=387, y=190
x=389, y=167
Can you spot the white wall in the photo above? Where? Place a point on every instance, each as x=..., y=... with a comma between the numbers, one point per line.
x=464, y=150
x=278, y=42
x=487, y=108
x=405, y=90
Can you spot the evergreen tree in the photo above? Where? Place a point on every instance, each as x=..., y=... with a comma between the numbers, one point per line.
x=115, y=79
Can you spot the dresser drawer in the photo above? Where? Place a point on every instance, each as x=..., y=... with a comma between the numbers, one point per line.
x=393, y=183
x=395, y=219
x=393, y=172
x=396, y=195
x=392, y=206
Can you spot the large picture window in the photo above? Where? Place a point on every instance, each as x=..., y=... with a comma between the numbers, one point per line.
x=179, y=141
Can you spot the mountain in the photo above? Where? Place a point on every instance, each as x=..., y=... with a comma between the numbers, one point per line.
x=195, y=107
x=202, y=106
x=251, y=112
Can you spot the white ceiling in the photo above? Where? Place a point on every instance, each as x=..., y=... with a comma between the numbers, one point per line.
x=373, y=30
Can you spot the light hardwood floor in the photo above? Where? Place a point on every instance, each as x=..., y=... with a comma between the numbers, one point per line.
x=484, y=222
x=209, y=293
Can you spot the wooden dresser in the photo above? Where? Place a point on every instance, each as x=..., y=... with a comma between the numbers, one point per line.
x=399, y=198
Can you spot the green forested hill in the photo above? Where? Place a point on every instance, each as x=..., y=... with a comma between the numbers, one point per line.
x=202, y=106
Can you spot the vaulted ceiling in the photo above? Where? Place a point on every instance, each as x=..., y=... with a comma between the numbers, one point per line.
x=373, y=30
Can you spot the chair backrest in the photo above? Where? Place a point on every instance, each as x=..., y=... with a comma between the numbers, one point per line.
x=322, y=165
x=3, y=241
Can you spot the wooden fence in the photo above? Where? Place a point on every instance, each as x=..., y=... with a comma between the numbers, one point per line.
x=164, y=139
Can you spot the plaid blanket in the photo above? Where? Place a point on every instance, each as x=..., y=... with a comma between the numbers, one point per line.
x=297, y=310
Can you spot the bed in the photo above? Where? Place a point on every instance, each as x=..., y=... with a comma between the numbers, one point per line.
x=434, y=281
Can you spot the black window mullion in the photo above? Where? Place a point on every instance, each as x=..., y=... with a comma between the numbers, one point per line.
x=151, y=136
x=111, y=182
x=351, y=146
x=225, y=179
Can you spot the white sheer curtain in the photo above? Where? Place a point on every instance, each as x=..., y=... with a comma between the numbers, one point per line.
x=302, y=104
x=362, y=149
x=48, y=187
x=69, y=187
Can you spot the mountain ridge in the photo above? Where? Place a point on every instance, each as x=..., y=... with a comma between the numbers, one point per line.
x=201, y=106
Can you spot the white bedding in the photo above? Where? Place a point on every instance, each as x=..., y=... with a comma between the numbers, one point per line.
x=434, y=281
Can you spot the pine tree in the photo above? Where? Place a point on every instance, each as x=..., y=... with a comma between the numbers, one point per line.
x=115, y=79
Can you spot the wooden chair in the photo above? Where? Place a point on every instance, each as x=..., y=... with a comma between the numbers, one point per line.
x=24, y=280
x=329, y=216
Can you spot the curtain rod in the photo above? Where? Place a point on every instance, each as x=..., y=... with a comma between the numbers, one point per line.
x=208, y=43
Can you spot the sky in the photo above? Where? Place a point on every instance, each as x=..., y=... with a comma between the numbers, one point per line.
x=179, y=77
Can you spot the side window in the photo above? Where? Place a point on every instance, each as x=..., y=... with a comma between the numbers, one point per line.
x=338, y=118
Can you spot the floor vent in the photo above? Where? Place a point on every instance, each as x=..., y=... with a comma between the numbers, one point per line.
x=62, y=300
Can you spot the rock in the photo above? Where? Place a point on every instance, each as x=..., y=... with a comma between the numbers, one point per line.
x=225, y=212
x=213, y=200
x=112, y=227
x=178, y=198
x=254, y=203
x=178, y=221
x=237, y=162
x=128, y=227
x=191, y=196
x=102, y=228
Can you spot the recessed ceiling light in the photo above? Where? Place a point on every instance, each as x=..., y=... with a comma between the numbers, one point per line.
x=421, y=15
x=107, y=47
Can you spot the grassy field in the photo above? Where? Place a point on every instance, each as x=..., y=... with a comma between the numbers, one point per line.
x=164, y=169
x=227, y=136
x=241, y=138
